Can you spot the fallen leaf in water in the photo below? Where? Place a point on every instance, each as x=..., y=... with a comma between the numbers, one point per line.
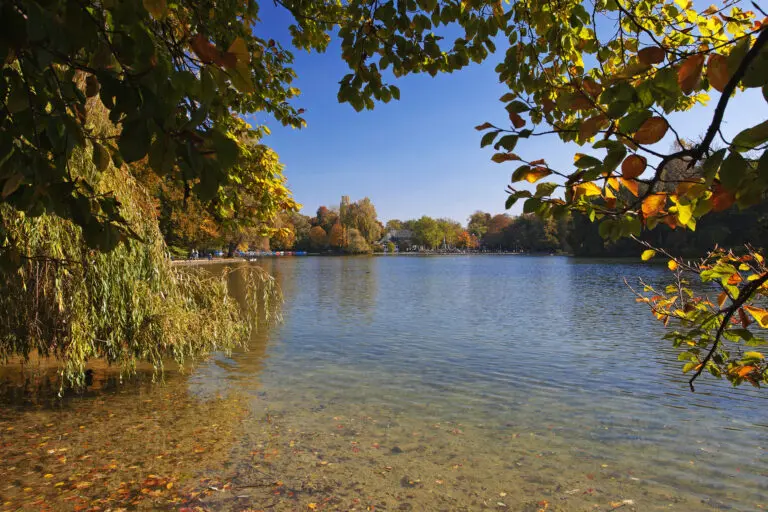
x=48, y=475
x=502, y=494
x=312, y=506
x=439, y=482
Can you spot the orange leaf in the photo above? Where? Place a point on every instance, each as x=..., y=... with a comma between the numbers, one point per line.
x=517, y=121
x=721, y=299
x=746, y=370
x=590, y=127
x=654, y=204
x=721, y=198
x=581, y=102
x=717, y=71
x=593, y=88
x=540, y=161
x=633, y=166
x=504, y=157
x=632, y=185
x=758, y=314
x=204, y=50
x=689, y=73
x=735, y=279
x=651, y=55
x=670, y=220
x=651, y=131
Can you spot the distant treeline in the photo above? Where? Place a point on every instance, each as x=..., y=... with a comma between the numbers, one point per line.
x=353, y=227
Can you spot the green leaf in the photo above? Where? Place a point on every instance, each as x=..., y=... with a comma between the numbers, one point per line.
x=511, y=200
x=732, y=171
x=100, y=157
x=227, y=150
x=520, y=173
x=586, y=161
x=507, y=142
x=488, y=138
x=751, y=138
x=545, y=189
x=134, y=140
x=12, y=184
x=647, y=254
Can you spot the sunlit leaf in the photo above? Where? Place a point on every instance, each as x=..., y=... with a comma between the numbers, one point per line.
x=647, y=254
x=653, y=204
x=633, y=166
x=717, y=71
x=651, y=131
x=760, y=315
x=690, y=72
x=651, y=55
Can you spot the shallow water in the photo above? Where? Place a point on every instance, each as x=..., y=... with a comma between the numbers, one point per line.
x=413, y=383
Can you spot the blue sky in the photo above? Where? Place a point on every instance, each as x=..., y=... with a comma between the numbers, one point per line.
x=421, y=155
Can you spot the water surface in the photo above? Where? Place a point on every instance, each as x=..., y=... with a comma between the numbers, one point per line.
x=433, y=383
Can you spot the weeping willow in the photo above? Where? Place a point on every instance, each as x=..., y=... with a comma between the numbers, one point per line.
x=61, y=299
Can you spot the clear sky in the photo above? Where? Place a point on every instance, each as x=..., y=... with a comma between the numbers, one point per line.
x=421, y=155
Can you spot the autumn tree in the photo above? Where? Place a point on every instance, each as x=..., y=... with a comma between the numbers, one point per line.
x=318, y=237
x=393, y=225
x=615, y=91
x=336, y=236
x=494, y=235
x=467, y=240
x=361, y=215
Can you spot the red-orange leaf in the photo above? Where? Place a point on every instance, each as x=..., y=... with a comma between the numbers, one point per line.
x=651, y=131
x=204, y=50
x=721, y=299
x=717, y=71
x=721, y=198
x=745, y=321
x=504, y=157
x=517, y=121
x=735, y=279
x=654, y=204
x=593, y=88
x=651, y=55
x=633, y=166
x=689, y=73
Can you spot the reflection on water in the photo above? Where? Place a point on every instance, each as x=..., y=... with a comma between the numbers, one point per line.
x=438, y=383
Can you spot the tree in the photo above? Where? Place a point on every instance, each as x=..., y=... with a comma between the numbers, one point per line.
x=478, y=223
x=426, y=232
x=357, y=243
x=494, y=236
x=467, y=240
x=64, y=300
x=616, y=91
x=318, y=238
x=361, y=215
x=336, y=236
x=393, y=225
x=449, y=231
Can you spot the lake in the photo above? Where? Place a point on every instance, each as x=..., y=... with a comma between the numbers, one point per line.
x=409, y=383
